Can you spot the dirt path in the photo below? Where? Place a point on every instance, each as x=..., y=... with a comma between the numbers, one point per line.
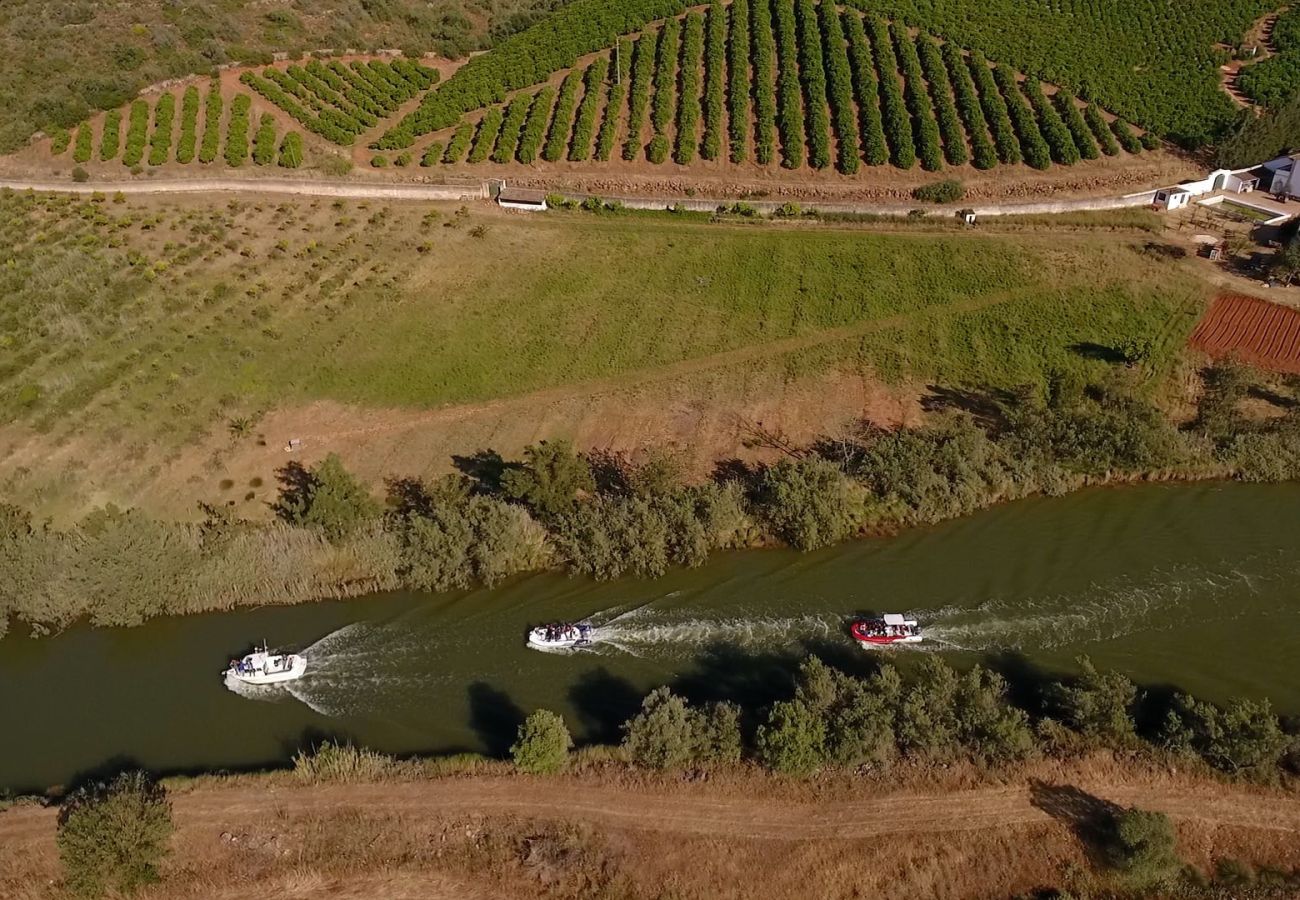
x=430, y=192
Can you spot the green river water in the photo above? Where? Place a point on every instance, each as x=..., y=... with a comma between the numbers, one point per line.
x=1186, y=586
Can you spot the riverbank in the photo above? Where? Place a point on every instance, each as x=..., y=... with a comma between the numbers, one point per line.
x=944, y=833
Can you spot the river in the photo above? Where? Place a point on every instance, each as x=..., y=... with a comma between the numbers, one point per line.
x=1176, y=585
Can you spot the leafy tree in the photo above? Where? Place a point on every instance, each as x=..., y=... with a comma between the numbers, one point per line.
x=665, y=734
x=793, y=739
x=719, y=736
x=543, y=744
x=1142, y=844
x=1244, y=737
x=550, y=478
x=1096, y=704
x=326, y=496
x=809, y=502
x=858, y=713
x=1286, y=262
x=113, y=836
x=927, y=715
x=990, y=728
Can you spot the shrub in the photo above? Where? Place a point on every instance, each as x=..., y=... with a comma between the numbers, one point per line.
x=136, y=133
x=549, y=479
x=291, y=151
x=715, y=83
x=1079, y=130
x=160, y=142
x=80, y=175
x=530, y=142
x=928, y=148
x=1035, y=149
x=1245, y=737
x=110, y=141
x=1100, y=130
x=112, y=837
x=812, y=72
x=1096, y=704
x=664, y=103
x=789, y=106
x=639, y=93
x=332, y=763
x=60, y=138
x=793, y=739
x=211, y=124
x=668, y=734
x=1142, y=844
x=511, y=127
x=237, y=131
x=809, y=503
x=1059, y=140
x=486, y=136
x=945, y=107
x=459, y=143
x=984, y=154
x=866, y=87
x=1124, y=134
x=949, y=191
x=995, y=110
x=264, y=141
x=584, y=128
x=432, y=155
x=379, y=161
x=325, y=496
x=764, y=44
x=543, y=744
x=893, y=111
x=688, y=100
x=557, y=137
x=840, y=85
x=85, y=143
x=189, y=125
x=614, y=104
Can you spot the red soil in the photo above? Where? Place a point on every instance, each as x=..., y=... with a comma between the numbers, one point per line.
x=1251, y=330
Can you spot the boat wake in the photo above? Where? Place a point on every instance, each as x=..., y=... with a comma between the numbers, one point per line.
x=649, y=632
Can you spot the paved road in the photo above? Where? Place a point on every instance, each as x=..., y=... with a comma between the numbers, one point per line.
x=379, y=191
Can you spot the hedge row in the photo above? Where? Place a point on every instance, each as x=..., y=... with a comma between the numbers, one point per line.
x=330, y=124
x=642, y=72
x=812, y=72
x=928, y=147
x=211, y=124
x=459, y=143
x=664, y=101
x=291, y=154
x=189, y=125
x=486, y=136
x=1100, y=130
x=584, y=129
x=614, y=103
x=557, y=138
x=264, y=141
x=839, y=79
x=160, y=142
x=60, y=138
x=983, y=154
x=84, y=145
x=764, y=81
x=237, y=131
x=995, y=108
x=1032, y=145
x=1127, y=139
x=136, y=133
x=1058, y=137
x=945, y=106
x=893, y=111
x=688, y=101
x=715, y=80
x=512, y=126
x=789, y=106
x=535, y=126
x=527, y=58
x=738, y=80
x=866, y=87
x=111, y=140
x=1079, y=133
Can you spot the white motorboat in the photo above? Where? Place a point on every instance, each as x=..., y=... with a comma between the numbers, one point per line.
x=264, y=667
x=560, y=636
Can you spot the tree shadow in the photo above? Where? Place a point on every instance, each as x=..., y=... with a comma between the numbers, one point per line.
x=985, y=407
x=754, y=680
x=1092, y=819
x=494, y=717
x=612, y=472
x=1028, y=684
x=407, y=496
x=737, y=470
x=484, y=469
x=297, y=484
x=1098, y=352
x=604, y=701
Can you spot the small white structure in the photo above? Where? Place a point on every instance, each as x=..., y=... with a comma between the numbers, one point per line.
x=1283, y=176
x=519, y=198
x=1241, y=181
x=1172, y=199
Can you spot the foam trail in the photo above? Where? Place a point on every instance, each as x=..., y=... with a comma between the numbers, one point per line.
x=641, y=633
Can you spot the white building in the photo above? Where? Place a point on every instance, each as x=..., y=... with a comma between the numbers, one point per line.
x=1282, y=176
x=1241, y=181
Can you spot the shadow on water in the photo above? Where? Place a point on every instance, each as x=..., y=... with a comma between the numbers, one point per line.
x=494, y=717
x=603, y=702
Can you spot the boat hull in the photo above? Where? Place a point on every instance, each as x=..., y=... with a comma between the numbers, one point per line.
x=867, y=643
x=297, y=668
x=537, y=640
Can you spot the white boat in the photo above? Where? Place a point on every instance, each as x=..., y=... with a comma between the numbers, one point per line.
x=560, y=636
x=263, y=667
x=889, y=629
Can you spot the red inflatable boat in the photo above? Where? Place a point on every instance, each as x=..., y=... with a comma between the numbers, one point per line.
x=891, y=628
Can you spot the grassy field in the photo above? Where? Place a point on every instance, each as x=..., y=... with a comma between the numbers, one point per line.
x=149, y=325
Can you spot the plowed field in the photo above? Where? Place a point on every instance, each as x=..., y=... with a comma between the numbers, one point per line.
x=1251, y=330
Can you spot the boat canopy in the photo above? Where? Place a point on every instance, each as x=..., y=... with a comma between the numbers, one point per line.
x=894, y=619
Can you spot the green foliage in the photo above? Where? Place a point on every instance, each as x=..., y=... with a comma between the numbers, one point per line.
x=666, y=734
x=459, y=143
x=84, y=145
x=1080, y=132
x=948, y=191
x=136, y=133
x=789, y=107
x=1101, y=130
x=512, y=126
x=614, y=104
x=593, y=91
x=489, y=127
x=1059, y=139
x=211, y=124
x=866, y=91
x=160, y=142
x=550, y=478
x=647, y=47
x=840, y=79
x=539, y=114
x=1036, y=152
x=793, y=739
x=984, y=154
x=110, y=141
x=665, y=83
x=60, y=138
x=1273, y=81
x=326, y=496
x=543, y=744
x=186, y=146
x=338, y=763
x=688, y=102
x=432, y=155
x=557, y=137
x=897, y=123
x=1098, y=705
x=1124, y=134
x=1262, y=137
x=1242, y=738
x=764, y=44
x=812, y=72
x=715, y=80
x=237, y=131
x=995, y=110
x=926, y=129
x=113, y=836
x=809, y=502
x=264, y=141
x=1142, y=844
x=945, y=106
x=291, y=151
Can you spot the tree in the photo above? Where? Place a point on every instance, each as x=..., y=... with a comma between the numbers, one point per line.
x=1097, y=705
x=1141, y=843
x=809, y=503
x=550, y=478
x=858, y=713
x=326, y=496
x=543, y=744
x=1243, y=737
x=793, y=739
x=113, y=836
x=665, y=734
x=1286, y=262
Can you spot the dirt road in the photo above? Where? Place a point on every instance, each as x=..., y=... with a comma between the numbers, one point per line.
x=380, y=191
